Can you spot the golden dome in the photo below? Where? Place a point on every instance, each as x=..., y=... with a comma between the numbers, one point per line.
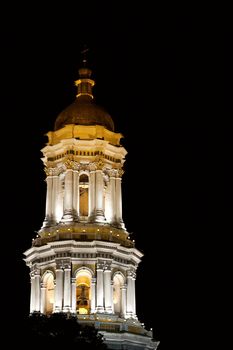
x=84, y=111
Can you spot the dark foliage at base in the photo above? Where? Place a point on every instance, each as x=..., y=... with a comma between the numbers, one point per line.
x=59, y=330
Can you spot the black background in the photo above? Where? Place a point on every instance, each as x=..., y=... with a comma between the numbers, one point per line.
x=149, y=67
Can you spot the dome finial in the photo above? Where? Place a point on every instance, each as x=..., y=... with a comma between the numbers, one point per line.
x=84, y=55
x=84, y=83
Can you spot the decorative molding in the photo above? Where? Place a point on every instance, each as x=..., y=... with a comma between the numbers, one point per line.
x=53, y=171
x=83, y=268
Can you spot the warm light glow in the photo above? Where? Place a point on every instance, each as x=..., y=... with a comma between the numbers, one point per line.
x=83, y=195
x=117, y=284
x=89, y=81
x=83, y=291
x=82, y=311
x=49, y=283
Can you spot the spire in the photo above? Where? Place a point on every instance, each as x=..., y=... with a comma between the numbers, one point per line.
x=84, y=83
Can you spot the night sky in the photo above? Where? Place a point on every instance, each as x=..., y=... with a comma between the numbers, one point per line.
x=147, y=66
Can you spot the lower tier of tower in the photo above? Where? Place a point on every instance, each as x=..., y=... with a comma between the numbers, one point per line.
x=94, y=280
x=83, y=278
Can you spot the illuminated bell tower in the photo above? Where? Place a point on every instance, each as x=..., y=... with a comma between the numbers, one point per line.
x=83, y=260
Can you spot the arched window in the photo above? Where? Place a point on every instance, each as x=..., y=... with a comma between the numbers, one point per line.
x=49, y=285
x=83, y=292
x=118, y=282
x=83, y=195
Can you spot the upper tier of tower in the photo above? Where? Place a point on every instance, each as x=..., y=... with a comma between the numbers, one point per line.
x=84, y=111
x=83, y=162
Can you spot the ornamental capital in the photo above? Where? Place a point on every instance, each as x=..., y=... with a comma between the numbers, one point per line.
x=107, y=267
x=48, y=171
x=36, y=272
x=112, y=172
x=76, y=166
x=100, y=165
x=99, y=266
x=52, y=171
x=63, y=265
x=120, y=172
x=131, y=274
x=67, y=266
x=92, y=166
x=69, y=164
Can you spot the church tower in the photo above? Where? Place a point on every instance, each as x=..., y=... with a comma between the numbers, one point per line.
x=83, y=260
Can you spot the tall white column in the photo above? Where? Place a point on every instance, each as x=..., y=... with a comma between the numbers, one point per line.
x=59, y=200
x=134, y=295
x=100, y=288
x=91, y=194
x=67, y=289
x=68, y=196
x=76, y=194
x=32, y=298
x=48, y=208
x=123, y=300
x=99, y=196
x=107, y=290
x=112, y=287
x=119, y=203
x=54, y=196
x=130, y=295
x=112, y=198
x=73, y=298
x=93, y=295
x=37, y=290
x=43, y=298
x=59, y=290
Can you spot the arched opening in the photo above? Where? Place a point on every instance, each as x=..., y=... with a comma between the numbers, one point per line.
x=49, y=298
x=83, y=292
x=83, y=195
x=118, y=282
